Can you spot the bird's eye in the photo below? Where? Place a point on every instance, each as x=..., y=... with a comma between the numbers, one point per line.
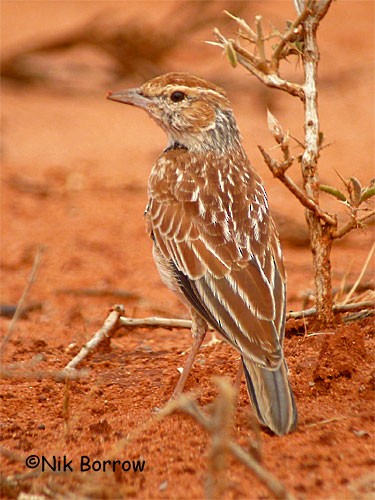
x=177, y=96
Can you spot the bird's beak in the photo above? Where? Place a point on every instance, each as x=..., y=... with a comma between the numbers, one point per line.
x=130, y=96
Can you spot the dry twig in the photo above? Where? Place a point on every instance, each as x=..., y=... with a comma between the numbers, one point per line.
x=18, y=373
x=252, y=64
x=221, y=422
x=98, y=292
x=337, y=308
x=109, y=325
x=222, y=412
x=116, y=320
x=27, y=370
x=278, y=170
x=155, y=322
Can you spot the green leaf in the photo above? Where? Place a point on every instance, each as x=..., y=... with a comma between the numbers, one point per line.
x=367, y=193
x=231, y=54
x=333, y=191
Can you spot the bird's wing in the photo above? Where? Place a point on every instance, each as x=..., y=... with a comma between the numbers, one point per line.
x=211, y=225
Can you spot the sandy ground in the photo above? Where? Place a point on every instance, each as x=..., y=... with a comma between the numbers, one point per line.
x=74, y=179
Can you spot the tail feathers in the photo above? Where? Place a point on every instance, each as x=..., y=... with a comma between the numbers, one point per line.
x=271, y=396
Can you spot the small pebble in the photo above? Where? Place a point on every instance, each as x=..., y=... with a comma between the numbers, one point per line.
x=163, y=486
x=360, y=433
x=70, y=347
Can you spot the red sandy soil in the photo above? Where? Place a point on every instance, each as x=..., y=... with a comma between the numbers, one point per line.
x=74, y=177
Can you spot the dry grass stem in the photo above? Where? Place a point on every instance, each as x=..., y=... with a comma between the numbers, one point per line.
x=20, y=305
x=361, y=274
x=328, y=421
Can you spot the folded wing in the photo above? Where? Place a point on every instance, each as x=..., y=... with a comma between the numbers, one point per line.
x=214, y=236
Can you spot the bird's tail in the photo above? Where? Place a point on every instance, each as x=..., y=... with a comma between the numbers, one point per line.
x=272, y=397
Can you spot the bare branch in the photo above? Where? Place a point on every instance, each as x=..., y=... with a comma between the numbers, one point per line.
x=169, y=323
x=271, y=80
x=253, y=64
x=278, y=171
x=98, y=292
x=260, y=44
x=320, y=231
x=337, y=308
x=224, y=42
x=299, y=5
x=353, y=223
x=243, y=24
x=320, y=9
x=18, y=373
x=154, y=322
x=287, y=37
x=221, y=422
x=27, y=370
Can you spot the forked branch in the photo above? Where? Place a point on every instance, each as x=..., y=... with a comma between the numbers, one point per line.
x=257, y=66
x=278, y=169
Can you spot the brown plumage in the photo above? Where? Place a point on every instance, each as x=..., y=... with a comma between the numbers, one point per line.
x=215, y=243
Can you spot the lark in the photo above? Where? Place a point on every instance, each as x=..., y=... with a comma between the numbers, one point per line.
x=214, y=241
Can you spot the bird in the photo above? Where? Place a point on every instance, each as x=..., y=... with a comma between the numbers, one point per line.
x=215, y=244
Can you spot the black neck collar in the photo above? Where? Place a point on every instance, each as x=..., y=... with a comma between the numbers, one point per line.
x=175, y=145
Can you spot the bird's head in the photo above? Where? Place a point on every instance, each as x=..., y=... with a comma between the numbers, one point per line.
x=193, y=112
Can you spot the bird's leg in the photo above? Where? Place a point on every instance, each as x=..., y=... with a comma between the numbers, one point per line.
x=198, y=330
x=237, y=383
